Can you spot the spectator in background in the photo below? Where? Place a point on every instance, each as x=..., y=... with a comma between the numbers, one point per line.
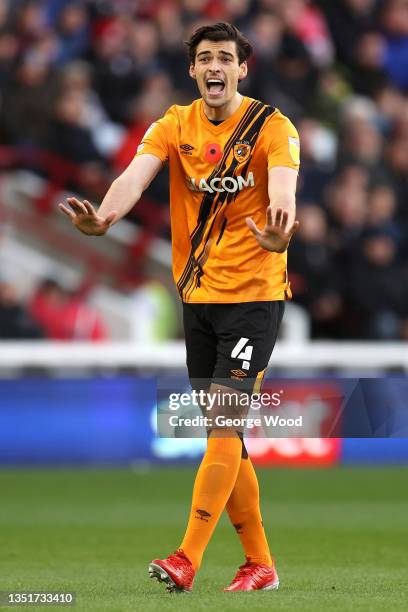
x=307, y=23
x=391, y=104
x=369, y=63
x=289, y=82
x=4, y=12
x=68, y=137
x=396, y=157
x=332, y=92
x=28, y=22
x=348, y=21
x=362, y=141
x=116, y=80
x=314, y=274
x=378, y=286
x=144, y=47
x=347, y=207
x=395, y=24
x=381, y=211
x=73, y=32
x=72, y=139
x=15, y=321
x=76, y=78
x=319, y=152
x=8, y=56
x=63, y=315
x=27, y=101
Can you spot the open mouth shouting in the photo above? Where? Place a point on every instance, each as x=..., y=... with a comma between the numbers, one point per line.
x=215, y=87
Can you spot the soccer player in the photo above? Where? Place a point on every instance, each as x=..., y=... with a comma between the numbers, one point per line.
x=233, y=170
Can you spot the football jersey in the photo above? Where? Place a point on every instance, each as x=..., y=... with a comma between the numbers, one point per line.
x=218, y=177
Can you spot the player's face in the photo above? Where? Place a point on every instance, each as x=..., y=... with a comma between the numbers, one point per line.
x=217, y=71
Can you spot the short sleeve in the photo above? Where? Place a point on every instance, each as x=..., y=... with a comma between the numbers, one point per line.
x=158, y=136
x=284, y=145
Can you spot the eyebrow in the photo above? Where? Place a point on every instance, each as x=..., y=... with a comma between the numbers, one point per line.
x=207, y=51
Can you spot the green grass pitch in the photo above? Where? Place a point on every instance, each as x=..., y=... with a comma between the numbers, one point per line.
x=340, y=537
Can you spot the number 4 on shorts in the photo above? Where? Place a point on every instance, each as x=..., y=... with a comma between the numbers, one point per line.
x=245, y=355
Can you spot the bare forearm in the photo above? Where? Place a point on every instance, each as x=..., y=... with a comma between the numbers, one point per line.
x=126, y=190
x=287, y=203
x=280, y=214
x=121, y=197
x=282, y=191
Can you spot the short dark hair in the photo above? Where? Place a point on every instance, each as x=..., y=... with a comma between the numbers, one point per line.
x=219, y=31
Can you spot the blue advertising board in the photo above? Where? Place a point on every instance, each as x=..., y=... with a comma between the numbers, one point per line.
x=100, y=420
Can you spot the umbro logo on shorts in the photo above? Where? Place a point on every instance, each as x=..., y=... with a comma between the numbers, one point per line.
x=238, y=373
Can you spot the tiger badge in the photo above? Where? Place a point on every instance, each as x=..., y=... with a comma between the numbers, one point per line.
x=242, y=150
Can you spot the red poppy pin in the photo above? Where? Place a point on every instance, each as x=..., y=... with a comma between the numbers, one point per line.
x=212, y=152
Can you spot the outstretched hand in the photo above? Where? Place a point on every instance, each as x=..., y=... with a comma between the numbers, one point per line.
x=275, y=236
x=84, y=217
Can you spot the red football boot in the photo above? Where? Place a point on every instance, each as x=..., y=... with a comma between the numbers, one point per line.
x=255, y=577
x=176, y=571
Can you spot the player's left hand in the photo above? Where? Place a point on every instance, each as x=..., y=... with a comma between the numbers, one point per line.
x=276, y=234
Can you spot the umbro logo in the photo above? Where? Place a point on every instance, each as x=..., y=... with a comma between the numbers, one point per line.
x=186, y=149
x=238, y=373
x=203, y=515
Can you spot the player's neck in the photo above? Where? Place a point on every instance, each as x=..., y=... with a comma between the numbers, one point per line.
x=223, y=112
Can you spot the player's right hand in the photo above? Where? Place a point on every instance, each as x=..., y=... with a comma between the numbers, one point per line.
x=84, y=217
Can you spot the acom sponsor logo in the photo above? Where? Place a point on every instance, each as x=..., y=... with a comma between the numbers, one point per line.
x=231, y=184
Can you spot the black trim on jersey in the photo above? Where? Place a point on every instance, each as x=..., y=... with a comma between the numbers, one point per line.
x=223, y=226
x=207, y=200
x=253, y=110
x=251, y=134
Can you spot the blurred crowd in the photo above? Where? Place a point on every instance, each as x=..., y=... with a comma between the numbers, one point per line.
x=51, y=312
x=84, y=79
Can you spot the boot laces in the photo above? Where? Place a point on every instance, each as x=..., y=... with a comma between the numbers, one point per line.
x=245, y=569
x=178, y=555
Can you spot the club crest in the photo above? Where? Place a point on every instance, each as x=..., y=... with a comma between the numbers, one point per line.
x=242, y=150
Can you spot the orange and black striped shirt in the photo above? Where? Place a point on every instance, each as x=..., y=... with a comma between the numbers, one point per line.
x=218, y=177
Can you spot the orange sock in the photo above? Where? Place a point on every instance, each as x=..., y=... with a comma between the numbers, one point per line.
x=245, y=514
x=212, y=488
